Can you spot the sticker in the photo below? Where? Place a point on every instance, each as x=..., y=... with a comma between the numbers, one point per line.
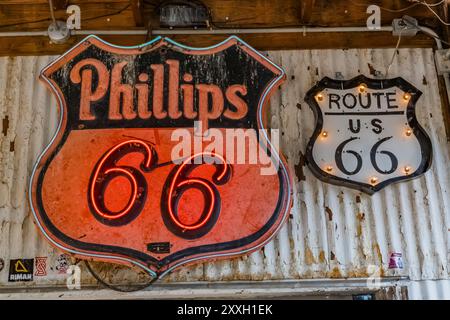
x=2, y=264
x=41, y=266
x=396, y=261
x=62, y=263
x=21, y=270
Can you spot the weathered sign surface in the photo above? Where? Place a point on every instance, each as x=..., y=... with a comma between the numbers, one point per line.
x=114, y=183
x=367, y=135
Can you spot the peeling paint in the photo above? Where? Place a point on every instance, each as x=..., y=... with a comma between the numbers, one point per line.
x=378, y=253
x=299, y=167
x=372, y=70
x=329, y=213
x=5, y=125
x=309, y=257
x=322, y=258
x=335, y=273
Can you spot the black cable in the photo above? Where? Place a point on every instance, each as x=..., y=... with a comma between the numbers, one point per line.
x=115, y=287
x=226, y=24
x=86, y=19
x=434, y=36
x=109, y=14
x=151, y=3
x=22, y=23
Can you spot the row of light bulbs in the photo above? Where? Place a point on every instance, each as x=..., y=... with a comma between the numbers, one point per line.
x=374, y=180
x=408, y=133
x=362, y=88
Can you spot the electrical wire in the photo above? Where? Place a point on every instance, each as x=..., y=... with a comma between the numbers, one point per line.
x=434, y=36
x=415, y=4
x=227, y=23
x=22, y=23
x=109, y=14
x=85, y=19
x=395, y=52
x=116, y=287
x=52, y=14
x=429, y=4
x=435, y=13
x=386, y=9
x=151, y=3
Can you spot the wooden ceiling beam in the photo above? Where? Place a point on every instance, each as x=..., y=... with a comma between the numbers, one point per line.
x=60, y=4
x=138, y=8
x=18, y=46
x=29, y=15
x=306, y=11
x=94, y=16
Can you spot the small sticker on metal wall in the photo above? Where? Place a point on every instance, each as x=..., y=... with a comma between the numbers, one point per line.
x=159, y=247
x=396, y=261
x=21, y=270
x=41, y=266
x=62, y=263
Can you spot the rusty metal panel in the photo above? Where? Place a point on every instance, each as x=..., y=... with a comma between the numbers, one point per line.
x=336, y=232
x=332, y=232
x=429, y=290
x=409, y=218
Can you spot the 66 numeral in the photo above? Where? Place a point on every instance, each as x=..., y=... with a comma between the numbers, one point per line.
x=178, y=182
x=107, y=169
x=359, y=161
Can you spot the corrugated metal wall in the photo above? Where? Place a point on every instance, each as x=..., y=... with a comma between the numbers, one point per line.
x=429, y=290
x=333, y=232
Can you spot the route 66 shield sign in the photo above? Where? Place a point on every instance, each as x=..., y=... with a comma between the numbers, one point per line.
x=136, y=174
x=367, y=135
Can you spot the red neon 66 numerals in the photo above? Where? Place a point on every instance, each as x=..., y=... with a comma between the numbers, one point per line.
x=106, y=170
x=177, y=183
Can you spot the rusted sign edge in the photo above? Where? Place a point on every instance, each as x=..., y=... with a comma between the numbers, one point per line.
x=376, y=84
x=139, y=49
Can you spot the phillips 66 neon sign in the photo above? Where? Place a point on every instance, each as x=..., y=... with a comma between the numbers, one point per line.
x=107, y=186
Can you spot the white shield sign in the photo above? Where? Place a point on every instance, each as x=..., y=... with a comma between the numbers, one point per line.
x=367, y=135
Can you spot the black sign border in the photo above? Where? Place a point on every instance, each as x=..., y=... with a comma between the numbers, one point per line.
x=144, y=260
x=376, y=84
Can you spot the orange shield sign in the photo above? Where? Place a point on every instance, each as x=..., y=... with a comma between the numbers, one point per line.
x=154, y=160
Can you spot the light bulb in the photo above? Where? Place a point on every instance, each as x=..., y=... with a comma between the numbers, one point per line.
x=329, y=168
x=407, y=169
x=373, y=180
x=324, y=134
x=406, y=96
x=362, y=88
x=408, y=132
x=319, y=97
